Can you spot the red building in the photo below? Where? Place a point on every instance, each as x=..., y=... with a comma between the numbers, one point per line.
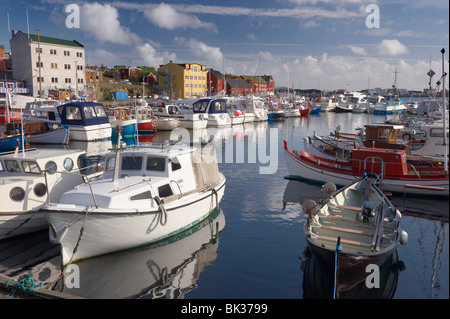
x=270, y=83
x=214, y=81
x=238, y=87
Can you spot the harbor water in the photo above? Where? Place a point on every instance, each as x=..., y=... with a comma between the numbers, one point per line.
x=254, y=247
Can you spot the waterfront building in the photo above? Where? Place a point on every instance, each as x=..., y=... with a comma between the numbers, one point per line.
x=182, y=81
x=47, y=63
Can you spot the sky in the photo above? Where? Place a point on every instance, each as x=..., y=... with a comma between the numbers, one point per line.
x=322, y=44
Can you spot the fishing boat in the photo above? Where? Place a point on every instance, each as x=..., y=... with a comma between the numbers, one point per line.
x=28, y=179
x=391, y=106
x=146, y=194
x=143, y=115
x=88, y=121
x=39, y=132
x=355, y=227
x=120, y=117
x=389, y=164
x=10, y=142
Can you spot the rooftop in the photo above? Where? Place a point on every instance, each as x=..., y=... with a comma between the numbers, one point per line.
x=45, y=39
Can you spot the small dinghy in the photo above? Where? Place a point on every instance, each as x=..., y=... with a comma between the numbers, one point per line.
x=358, y=224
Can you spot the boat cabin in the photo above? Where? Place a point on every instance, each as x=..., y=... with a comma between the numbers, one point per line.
x=168, y=172
x=389, y=162
x=384, y=136
x=83, y=113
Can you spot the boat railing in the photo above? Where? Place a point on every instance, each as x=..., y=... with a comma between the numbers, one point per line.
x=179, y=188
x=374, y=159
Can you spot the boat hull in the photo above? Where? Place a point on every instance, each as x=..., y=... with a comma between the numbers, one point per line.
x=166, y=124
x=90, y=132
x=18, y=224
x=351, y=267
x=146, y=127
x=106, y=231
x=57, y=136
x=301, y=169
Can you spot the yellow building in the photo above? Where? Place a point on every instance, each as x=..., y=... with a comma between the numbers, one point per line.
x=182, y=81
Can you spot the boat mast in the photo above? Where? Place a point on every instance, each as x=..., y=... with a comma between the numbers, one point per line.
x=444, y=107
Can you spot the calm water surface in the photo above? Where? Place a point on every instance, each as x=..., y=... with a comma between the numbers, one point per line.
x=254, y=247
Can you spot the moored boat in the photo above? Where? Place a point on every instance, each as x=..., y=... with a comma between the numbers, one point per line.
x=28, y=179
x=355, y=227
x=120, y=119
x=146, y=194
x=389, y=164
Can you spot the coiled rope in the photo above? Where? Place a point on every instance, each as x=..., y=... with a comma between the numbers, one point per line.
x=26, y=285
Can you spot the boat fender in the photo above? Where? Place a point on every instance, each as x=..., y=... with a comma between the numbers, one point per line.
x=403, y=237
x=309, y=207
x=329, y=189
x=163, y=219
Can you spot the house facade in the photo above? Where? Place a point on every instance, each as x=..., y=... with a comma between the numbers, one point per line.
x=238, y=87
x=47, y=63
x=182, y=81
x=215, y=82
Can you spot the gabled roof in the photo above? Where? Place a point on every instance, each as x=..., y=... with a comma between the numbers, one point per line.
x=254, y=78
x=45, y=39
x=216, y=73
x=238, y=83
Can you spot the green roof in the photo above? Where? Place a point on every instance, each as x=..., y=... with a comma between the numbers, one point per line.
x=147, y=69
x=51, y=40
x=254, y=78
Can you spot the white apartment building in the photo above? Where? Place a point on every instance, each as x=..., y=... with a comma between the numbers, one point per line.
x=47, y=63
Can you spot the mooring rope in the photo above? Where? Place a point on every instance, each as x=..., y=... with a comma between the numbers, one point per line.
x=26, y=285
x=338, y=249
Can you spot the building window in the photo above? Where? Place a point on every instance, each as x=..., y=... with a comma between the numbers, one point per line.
x=79, y=67
x=37, y=64
x=53, y=51
x=68, y=80
x=66, y=53
x=54, y=65
x=38, y=50
x=80, y=81
x=79, y=54
x=67, y=66
x=54, y=80
x=40, y=79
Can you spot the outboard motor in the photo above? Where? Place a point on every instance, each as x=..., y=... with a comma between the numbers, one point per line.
x=366, y=211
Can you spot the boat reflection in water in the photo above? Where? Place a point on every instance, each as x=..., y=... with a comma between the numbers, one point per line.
x=317, y=286
x=164, y=270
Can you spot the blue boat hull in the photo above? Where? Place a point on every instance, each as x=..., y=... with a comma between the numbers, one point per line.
x=10, y=143
x=129, y=130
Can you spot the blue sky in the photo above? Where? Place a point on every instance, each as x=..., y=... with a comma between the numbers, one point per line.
x=319, y=43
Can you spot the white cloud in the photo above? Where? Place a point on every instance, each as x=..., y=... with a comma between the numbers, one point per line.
x=151, y=57
x=310, y=24
x=357, y=50
x=167, y=17
x=391, y=47
x=209, y=55
x=102, y=21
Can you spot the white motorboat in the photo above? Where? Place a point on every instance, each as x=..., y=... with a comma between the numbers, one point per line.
x=88, y=121
x=146, y=194
x=30, y=178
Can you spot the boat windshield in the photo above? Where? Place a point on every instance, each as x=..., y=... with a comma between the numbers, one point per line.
x=100, y=111
x=156, y=164
x=89, y=112
x=200, y=106
x=131, y=163
x=73, y=113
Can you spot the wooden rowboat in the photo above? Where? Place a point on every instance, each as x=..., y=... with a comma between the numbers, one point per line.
x=364, y=220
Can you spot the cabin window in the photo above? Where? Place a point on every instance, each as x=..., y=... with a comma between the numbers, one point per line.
x=73, y=113
x=165, y=191
x=50, y=167
x=156, y=164
x=437, y=132
x=89, y=112
x=1, y=167
x=110, y=163
x=12, y=166
x=51, y=116
x=131, y=163
x=17, y=194
x=68, y=164
x=31, y=167
x=100, y=111
x=175, y=163
x=141, y=196
x=40, y=190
